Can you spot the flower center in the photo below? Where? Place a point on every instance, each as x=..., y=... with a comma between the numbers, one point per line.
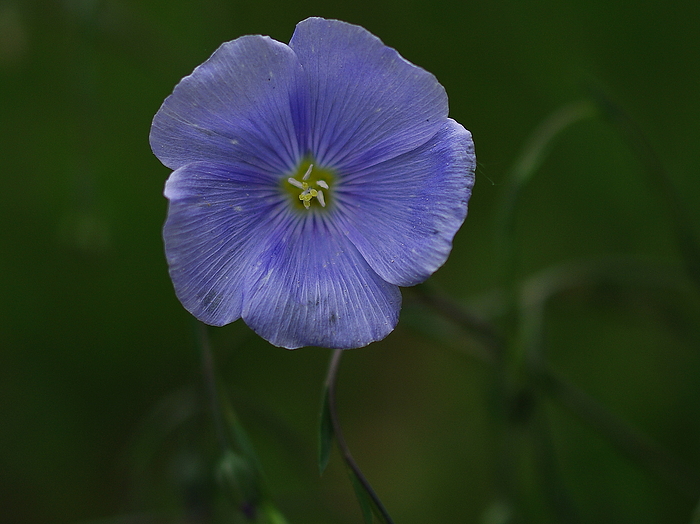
x=310, y=185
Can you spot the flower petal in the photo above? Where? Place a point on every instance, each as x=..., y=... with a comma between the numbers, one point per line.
x=367, y=103
x=403, y=214
x=311, y=287
x=246, y=102
x=217, y=218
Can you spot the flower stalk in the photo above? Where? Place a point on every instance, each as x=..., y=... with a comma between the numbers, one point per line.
x=367, y=497
x=209, y=376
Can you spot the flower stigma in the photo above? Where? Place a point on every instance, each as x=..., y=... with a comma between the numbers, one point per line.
x=308, y=184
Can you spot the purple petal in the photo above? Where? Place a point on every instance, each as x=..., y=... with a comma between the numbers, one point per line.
x=218, y=217
x=311, y=287
x=403, y=214
x=367, y=103
x=246, y=102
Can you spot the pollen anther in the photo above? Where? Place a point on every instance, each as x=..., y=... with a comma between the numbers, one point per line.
x=307, y=192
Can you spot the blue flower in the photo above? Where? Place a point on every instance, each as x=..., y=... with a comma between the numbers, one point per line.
x=310, y=181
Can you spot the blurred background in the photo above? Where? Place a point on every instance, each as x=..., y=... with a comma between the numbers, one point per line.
x=102, y=417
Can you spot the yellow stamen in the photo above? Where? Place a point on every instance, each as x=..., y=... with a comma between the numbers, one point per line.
x=307, y=192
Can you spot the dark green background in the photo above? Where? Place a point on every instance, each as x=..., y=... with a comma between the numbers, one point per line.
x=93, y=341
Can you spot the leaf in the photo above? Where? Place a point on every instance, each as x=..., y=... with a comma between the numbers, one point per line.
x=326, y=434
x=368, y=499
x=363, y=498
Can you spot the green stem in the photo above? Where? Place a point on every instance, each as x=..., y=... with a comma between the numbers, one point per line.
x=553, y=485
x=627, y=440
x=468, y=321
x=210, y=382
x=530, y=160
x=331, y=379
x=659, y=181
x=242, y=472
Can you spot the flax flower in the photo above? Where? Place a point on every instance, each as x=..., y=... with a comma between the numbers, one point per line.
x=310, y=181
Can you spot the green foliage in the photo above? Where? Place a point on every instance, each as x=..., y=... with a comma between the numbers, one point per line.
x=101, y=409
x=325, y=437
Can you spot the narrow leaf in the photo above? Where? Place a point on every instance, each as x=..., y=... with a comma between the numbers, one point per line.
x=368, y=500
x=363, y=498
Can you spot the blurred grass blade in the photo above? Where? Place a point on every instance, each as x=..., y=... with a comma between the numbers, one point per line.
x=628, y=440
x=530, y=160
x=239, y=471
x=659, y=181
x=230, y=431
x=660, y=282
x=534, y=295
x=325, y=436
x=536, y=149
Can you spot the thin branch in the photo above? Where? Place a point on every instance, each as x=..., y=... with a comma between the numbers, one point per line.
x=629, y=441
x=468, y=321
x=331, y=379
